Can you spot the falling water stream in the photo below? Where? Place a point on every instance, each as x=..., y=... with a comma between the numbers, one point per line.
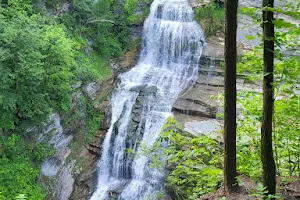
x=142, y=102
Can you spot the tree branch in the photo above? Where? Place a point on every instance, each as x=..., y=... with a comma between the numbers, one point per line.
x=100, y=20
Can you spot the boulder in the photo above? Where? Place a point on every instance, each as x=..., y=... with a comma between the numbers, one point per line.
x=144, y=89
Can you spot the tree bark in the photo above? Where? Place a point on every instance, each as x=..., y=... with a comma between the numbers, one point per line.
x=269, y=168
x=230, y=96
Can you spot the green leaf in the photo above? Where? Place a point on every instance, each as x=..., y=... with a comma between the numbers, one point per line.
x=250, y=37
x=280, y=23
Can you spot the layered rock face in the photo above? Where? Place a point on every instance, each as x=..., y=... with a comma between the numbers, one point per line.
x=195, y=109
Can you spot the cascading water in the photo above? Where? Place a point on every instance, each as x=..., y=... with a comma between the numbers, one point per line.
x=168, y=65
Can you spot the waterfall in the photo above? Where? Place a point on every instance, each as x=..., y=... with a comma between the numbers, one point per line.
x=142, y=102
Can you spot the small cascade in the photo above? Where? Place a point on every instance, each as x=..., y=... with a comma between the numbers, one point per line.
x=142, y=102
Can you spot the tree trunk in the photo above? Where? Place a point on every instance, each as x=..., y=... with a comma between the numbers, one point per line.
x=230, y=95
x=269, y=168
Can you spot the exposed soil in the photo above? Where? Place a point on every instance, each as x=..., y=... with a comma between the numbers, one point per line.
x=288, y=191
x=291, y=191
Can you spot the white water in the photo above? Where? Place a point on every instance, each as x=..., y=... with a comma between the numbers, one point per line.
x=168, y=65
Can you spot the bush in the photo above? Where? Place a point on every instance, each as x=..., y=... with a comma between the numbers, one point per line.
x=212, y=18
x=20, y=168
x=195, y=163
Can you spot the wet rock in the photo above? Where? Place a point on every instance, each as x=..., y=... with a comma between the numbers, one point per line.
x=94, y=147
x=86, y=179
x=126, y=62
x=117, y=67
x=135, y=117
x=144, y=89
x=57, y=167
x=137, y=88
x=141, y=99
x=211, y=80
x=84, y=183
x=136, y=30
x=117, y=188
x=150, y=89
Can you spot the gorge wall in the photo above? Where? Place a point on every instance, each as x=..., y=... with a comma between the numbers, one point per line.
x=73, y=174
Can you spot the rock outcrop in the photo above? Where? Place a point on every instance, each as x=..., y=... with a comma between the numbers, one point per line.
x=99, y=94
x=197, y=109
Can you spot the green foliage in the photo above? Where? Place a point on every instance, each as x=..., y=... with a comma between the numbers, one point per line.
x=212, y=17
x=42, y=151
x=58, y=64
x=261, y=193
x=16, y=7
x=44, y=54
x=93, y=123
x=19, y=164
x=130, y=6
x=286, y=112
x=286, y=136
x=40, y=61
x=195, y=163
x=36, y=60
x=97, y=27
x=156, y=195
x=21, y=197
x=21, y=95
x=248, y=134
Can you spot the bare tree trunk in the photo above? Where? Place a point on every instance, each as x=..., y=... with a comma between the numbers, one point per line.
x=230, y=95
x=269, y=168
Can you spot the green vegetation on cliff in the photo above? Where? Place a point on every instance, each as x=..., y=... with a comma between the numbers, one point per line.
x=47, y=49
x=211, y=17
x=19, y=171
x=44, y=53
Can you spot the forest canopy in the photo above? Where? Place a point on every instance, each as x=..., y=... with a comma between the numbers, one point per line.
x=47, y=49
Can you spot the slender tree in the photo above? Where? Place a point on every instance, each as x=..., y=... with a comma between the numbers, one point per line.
x=269, y=169
x=230, y=95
